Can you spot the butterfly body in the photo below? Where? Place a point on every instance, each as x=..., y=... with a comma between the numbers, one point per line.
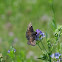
x=30, y=35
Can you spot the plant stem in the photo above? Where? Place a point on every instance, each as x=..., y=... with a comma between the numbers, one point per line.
x=58, y=44
x=46, y=51
x=53, y=10
x=52, y=6
x=39, y=46
x=49, y=57
x=43, y=46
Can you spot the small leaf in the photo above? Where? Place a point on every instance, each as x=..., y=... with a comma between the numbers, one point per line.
x=46, y=35
x=54, y=25
x=44, y=57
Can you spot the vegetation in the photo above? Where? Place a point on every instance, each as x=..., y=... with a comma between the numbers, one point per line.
x=15, y=15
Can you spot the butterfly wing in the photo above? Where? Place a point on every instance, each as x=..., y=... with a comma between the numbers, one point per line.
x=29, y=31
x=31, y=41
x=30, y=35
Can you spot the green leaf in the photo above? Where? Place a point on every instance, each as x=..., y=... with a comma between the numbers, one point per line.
x=54, y=26
x=46, y=35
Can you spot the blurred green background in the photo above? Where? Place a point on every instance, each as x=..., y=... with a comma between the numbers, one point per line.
x=15, y=15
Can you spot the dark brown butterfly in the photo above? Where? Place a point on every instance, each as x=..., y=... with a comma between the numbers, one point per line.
x=30, y=35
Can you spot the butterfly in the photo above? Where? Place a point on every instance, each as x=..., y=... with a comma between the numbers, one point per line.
x=30, y=35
